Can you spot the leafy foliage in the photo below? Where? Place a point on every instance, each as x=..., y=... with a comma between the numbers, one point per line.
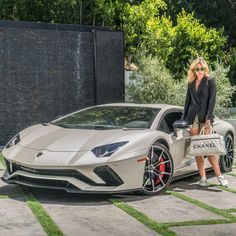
x=134, y=19
x=230, y=58
x=154, y=84
x=214, y=13
x=177, y=44
x=224, y=89
x=90, y=12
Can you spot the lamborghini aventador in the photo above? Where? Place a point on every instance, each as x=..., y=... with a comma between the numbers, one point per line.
x=109, y=148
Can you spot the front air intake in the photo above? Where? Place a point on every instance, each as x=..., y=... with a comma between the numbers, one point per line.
x=108, y=175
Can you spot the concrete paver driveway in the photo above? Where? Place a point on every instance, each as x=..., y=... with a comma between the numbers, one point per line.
x=184, y=209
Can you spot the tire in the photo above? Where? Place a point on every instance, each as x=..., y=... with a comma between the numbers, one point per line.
x=158, y=170
x=226, y=161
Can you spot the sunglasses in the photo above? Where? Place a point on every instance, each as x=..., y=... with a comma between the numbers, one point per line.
x=199, y=69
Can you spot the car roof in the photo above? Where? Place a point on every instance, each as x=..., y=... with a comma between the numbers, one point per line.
x=152, y=105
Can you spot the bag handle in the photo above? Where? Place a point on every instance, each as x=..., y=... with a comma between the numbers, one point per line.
x=202, y=131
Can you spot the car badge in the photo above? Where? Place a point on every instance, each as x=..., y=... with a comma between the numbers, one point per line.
x=39, y=154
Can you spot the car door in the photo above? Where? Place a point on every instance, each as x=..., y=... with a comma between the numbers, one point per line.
x=179, y=143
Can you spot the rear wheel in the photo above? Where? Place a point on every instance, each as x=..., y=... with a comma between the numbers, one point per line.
x=226, y=161
x=158, y=170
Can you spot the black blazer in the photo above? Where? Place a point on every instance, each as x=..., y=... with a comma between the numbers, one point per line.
x=200, y=102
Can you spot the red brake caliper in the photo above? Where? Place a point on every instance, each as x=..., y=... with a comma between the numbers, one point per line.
x=160, y=169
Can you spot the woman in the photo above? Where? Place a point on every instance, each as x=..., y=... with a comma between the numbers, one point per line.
x=198, y=111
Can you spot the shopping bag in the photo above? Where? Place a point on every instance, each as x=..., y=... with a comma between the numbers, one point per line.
x=207, y=144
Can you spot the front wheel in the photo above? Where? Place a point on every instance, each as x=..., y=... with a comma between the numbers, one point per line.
x=226, y=161
x=158, y=170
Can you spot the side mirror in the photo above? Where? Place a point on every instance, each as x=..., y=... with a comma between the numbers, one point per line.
x=180, y=124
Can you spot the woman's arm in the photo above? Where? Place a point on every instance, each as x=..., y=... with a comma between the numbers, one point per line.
x=212, y=99
x=186, y=104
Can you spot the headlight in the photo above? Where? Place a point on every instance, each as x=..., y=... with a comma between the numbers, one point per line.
x=13, y=141
x=108, y=149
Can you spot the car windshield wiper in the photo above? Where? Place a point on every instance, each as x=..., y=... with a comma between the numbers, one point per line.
x=102, y=127
x=133, y=128
x=62, y=125
x=82, y=126
x=87, y=126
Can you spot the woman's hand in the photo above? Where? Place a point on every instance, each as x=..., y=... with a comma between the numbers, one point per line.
x=207, y=123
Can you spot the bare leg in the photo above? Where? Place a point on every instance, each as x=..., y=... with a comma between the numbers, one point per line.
x=213, y=160
x=199, y=159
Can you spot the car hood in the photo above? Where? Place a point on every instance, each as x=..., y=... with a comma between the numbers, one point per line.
x=55, y=138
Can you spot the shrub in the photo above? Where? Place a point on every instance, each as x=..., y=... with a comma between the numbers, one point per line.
x=177, y=44
x=225, y=90
x=154, y=84
x=231, y=61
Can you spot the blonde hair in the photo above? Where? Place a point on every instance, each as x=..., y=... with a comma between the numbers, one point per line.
x=191, y=72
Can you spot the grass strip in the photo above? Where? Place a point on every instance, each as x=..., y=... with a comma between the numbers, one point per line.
x=231, y=174
x=231, y=210
x=163, y=228
x=223, y=188
x=141, y=217
x=199, y=222
x=41, y=214
x=11, y=195
x=17, y=194
x=221, y=212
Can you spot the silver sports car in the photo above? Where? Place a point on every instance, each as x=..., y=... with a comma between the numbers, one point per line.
x=110, y=148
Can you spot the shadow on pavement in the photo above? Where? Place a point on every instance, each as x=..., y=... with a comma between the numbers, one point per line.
x=49, y=196
x=191, y=183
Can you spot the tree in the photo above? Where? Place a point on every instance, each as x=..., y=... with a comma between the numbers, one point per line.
x=214, y=13
x=87, y=12
x=134, y=19
x=177, y=44
x=230, y=58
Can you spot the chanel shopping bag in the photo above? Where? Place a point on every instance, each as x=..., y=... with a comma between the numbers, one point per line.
x=207, y=144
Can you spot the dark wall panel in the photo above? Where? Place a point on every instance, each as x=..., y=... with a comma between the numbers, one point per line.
x=48, y=70
x=109, y=59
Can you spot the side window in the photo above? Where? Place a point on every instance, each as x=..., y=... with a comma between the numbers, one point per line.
x=164, y=127
x=166, y=123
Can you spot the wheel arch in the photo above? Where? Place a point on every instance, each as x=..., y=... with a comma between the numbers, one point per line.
x=231, y=133
x=163, y=141
x=224, y=165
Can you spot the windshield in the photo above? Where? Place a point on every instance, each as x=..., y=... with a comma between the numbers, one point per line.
x=110, y=117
